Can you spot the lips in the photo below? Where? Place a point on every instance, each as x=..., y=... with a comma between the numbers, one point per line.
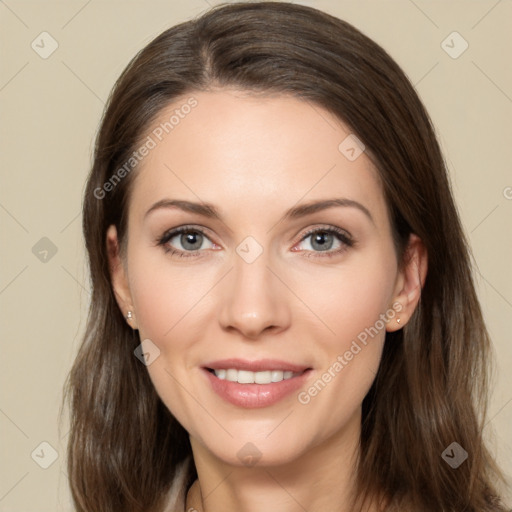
x=256, y=366
x=251, y=396
x=251, y=393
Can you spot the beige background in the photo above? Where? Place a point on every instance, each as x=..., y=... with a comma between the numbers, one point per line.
x=50, y=110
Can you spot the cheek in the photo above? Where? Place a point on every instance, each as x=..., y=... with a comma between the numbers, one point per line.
x=346, y=342
x=350, y=298
x=353, y=303
x=165, y=297
x=169, y=302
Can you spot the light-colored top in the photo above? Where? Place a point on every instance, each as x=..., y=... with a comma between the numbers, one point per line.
x=176, y=498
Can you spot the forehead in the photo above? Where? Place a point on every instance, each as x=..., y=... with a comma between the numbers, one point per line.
x=260, y=152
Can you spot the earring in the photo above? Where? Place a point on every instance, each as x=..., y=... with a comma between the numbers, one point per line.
x=129, y=315
x=398, y=320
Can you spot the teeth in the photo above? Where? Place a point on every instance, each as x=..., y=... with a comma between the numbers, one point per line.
x=247, y=377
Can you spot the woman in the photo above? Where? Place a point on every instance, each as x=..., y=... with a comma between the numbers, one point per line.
x=319, y=344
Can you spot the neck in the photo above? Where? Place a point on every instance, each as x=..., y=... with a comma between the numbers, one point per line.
x=322, y=478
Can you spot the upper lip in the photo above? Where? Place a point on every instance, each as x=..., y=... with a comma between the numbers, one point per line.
x=255, y=366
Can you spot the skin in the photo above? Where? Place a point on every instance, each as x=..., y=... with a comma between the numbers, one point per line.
x=254, y=158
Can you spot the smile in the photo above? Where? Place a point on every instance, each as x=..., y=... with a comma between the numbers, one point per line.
x=266, y=384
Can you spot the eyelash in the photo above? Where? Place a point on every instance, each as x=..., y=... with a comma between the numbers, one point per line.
x=340, y=234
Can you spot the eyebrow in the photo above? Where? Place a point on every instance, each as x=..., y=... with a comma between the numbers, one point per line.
x=208, y=210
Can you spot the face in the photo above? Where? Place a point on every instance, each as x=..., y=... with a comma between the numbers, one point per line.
x=257, y=280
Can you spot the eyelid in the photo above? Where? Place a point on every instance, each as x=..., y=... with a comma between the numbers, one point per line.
x=328, y=228
x=343, y=236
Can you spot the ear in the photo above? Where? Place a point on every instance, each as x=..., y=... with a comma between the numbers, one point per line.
x=409, y=284
x=118, y=278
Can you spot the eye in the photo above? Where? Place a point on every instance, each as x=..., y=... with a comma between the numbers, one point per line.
x=322, y=240
x=189, y=241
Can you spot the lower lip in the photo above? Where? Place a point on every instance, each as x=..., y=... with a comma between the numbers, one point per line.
x=252, y=396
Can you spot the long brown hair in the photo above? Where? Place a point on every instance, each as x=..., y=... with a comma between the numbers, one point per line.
x=432, y=384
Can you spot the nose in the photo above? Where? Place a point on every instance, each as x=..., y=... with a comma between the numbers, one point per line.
x=254, y=299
